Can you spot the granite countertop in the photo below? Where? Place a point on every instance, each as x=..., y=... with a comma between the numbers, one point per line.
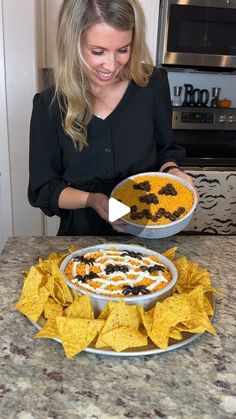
x=195, y=381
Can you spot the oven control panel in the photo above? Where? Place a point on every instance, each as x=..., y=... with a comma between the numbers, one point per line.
x=197, y=117
x=203, y=118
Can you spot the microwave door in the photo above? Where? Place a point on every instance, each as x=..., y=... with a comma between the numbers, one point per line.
x=197, y=33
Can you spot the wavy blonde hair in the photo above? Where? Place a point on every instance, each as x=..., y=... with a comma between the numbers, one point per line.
x=71, y=72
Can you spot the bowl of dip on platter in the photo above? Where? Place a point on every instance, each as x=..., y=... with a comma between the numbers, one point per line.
x=114, y=272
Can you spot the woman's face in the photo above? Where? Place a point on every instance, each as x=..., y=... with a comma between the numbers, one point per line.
x=106, y=50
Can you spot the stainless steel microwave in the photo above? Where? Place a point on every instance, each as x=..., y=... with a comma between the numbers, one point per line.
x=197, y=34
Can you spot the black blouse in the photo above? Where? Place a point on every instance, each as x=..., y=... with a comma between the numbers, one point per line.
x=136, y=137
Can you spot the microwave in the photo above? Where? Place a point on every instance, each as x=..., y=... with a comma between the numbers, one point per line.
x=197, y=34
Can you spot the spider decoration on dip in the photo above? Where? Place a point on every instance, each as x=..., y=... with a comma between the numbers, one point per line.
x=152, y=269
x=140, y=289
x=84, y=278
x=131, y=254
x=110, y=269
x=84, y=260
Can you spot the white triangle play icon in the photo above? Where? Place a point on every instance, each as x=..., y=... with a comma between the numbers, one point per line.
x=117, y=209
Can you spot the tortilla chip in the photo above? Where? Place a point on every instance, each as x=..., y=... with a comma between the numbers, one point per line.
x=199, y=321
x=100, y=343
x=199, y=324
x=123, y=338
x=107, y=310
x=147, y=318
x=54, y=280
x=57, y=257
x=165, y=318
x=77, y=334
x=60, y=281
x=209, y=310
x=170, y=253
x=81, y=307
x=32, y=282
x=73, y=248
x=175, y=334
x=49, y=285
x=32, y=305
x=49, y=330
x=122, y=315
x=52, y=309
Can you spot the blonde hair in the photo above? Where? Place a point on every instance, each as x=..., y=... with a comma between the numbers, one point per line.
x=71, y=73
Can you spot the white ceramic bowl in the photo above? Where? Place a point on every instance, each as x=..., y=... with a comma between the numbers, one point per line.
x=163, y=230
x=147, y=301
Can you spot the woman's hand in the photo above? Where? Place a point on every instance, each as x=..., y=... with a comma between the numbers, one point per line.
x=100, y=203
x=185, y=176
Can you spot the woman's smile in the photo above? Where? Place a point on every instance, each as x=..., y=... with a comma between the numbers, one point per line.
x=104, y=76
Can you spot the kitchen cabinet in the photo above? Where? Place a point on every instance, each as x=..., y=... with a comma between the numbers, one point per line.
x=2, y=241
x=216, y=211
x=49, y=10
x=5, y=186
x=18, y=84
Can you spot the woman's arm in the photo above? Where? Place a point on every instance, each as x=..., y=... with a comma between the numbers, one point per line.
x=71, y=198
x=45, y=158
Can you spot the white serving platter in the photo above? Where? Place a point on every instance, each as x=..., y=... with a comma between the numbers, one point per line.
x=149, y=349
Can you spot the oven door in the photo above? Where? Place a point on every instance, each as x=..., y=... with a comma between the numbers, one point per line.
x=208, y=148
x=197, y=33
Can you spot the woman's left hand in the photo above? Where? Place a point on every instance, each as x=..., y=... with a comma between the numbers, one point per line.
x=183, y=175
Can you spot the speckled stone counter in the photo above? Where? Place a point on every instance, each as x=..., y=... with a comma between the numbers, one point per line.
x=195, y=381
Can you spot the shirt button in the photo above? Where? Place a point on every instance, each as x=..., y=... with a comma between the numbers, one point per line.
x=105, y=128
x=107, y=150
x=108, y=173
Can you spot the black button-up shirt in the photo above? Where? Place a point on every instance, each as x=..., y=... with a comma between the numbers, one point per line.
x=136, y=137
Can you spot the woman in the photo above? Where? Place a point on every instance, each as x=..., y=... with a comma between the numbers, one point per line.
x=107, y=117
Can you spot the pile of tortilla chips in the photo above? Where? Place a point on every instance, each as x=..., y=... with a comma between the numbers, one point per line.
x=46, y=299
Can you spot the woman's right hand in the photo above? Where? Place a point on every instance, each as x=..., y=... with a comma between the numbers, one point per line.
x=100, y=203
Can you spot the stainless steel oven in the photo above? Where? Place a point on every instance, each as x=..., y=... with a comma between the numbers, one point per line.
x=197, y=34
x=208, y=135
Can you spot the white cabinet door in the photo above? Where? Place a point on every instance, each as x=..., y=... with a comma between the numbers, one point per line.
x=52, y=7
x=5, y=187
x=2, y=239
x=20, y=64
x=216, y=211
x=151, y=10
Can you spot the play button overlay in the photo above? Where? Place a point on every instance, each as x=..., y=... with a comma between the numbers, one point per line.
x=116, y=210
